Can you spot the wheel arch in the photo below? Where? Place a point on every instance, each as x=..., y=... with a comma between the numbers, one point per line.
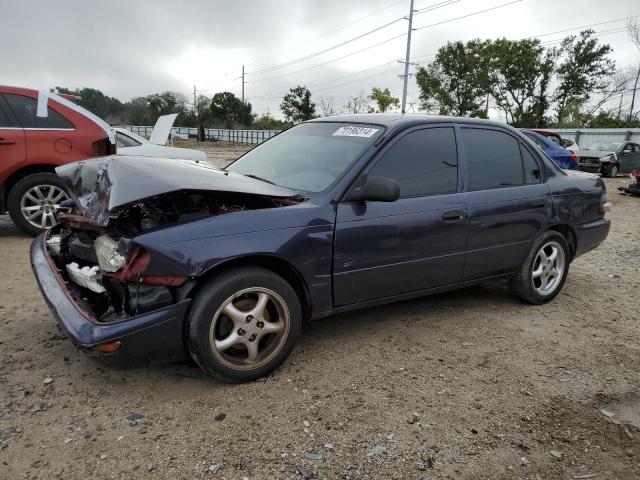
x=567, y=232
x=273, y=263
x=18, y=175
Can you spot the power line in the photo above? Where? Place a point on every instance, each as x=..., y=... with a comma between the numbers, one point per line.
x=468, y=15
x=330, y=61
x=346, y=42
x=582, y=26
x=328, y=33
x=600, y=33
x=314, y=85
x=435, y=6
x=312, y=55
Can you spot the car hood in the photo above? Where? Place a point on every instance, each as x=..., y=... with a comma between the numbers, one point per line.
x=594, y=153
x=101, y=185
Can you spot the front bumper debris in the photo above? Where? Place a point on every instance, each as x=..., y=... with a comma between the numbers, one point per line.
x=156, y=333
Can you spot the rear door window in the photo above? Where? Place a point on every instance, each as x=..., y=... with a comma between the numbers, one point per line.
x=25, y=109
x=493, y=159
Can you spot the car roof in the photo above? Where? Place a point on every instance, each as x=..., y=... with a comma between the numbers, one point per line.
x=30, y=92
x=390, y=120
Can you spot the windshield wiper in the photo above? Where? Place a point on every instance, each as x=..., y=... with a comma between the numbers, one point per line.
x=250, y=175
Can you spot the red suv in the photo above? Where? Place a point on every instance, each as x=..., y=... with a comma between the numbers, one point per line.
x=32, y=145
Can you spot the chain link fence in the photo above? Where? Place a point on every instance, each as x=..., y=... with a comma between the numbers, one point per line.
x=211, y=134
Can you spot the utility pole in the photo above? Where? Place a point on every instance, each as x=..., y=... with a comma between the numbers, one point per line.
x=620, y=106
x=633, y=98
x=406, y=60
x=243, y=84
x=195, y=105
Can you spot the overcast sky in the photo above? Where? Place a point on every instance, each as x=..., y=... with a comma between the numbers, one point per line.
x=132, y=48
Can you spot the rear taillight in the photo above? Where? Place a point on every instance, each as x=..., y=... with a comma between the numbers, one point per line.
x=575, y=158
x=605, y=205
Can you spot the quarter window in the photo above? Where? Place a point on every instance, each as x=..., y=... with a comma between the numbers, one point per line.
x=25, y=109
x=424, y=162
x=493, y=159
x=531, y=167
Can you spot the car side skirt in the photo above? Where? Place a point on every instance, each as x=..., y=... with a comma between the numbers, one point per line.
x=416, y=294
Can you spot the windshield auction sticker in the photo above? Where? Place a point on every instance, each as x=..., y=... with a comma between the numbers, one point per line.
x=352, y=131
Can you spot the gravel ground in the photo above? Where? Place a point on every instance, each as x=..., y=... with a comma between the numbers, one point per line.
x=471, y=384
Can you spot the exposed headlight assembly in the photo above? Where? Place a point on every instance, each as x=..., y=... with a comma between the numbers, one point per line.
x=607, y=159
x=109, y=257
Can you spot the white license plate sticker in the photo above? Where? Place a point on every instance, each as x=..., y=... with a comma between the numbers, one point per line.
x=352, y=131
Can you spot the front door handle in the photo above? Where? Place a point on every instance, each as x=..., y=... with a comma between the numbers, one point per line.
x=457, y=216
x=6, y=142
x=538, y=203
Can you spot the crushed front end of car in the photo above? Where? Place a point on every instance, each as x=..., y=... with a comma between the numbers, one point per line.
x=97, y=278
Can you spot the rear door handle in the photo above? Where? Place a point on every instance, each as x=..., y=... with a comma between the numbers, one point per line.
x=538, y=204
x=457, y=216
x=6, y=142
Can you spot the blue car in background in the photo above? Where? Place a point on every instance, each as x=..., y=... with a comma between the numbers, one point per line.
x=561, y=156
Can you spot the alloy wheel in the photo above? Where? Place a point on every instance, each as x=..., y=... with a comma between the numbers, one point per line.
x=548, y=268
x=40, y=204
x=249, y=329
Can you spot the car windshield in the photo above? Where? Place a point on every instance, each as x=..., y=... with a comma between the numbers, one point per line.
x=613, y=146
x=309, y=157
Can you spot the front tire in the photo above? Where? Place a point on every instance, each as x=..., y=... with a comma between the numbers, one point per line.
x=34, y=200
x=611, y=171
x=243, y=324
x=543, y=273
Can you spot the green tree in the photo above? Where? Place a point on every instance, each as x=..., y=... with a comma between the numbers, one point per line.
x=267, y=122
x=584, y=68
x=96, y=102
x=457, y=81
x=384, y=99
x=519, y=75
x=165, y=103
x=297, y=105
x=229, y=110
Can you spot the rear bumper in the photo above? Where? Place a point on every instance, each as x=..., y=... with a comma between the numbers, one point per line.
x=153, y=334
x=590, y=235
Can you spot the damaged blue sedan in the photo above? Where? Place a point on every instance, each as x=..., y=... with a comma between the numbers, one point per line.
x=162, y=258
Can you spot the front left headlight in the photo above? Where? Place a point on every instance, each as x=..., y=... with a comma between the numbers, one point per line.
x=607, y=159
x=109, y=257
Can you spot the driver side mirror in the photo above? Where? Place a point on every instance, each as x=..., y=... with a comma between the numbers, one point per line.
x=375, y=189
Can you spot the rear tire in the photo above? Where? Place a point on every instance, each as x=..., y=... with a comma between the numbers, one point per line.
x=243, y=324
x=33, y=199
x=543, y=273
